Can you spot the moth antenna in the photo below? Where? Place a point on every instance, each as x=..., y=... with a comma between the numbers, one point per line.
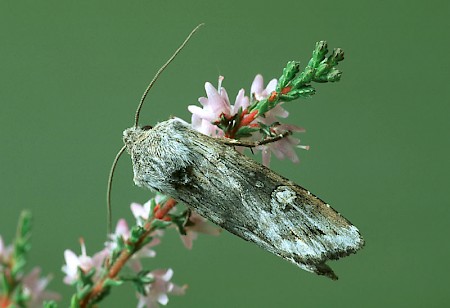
x=136, y=120
x=138, y=111
x=108, y=190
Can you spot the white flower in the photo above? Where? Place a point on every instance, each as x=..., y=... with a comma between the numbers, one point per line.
x=159, y=289
x=83, y=261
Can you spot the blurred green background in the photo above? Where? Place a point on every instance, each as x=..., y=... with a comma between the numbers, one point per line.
x=71, y=74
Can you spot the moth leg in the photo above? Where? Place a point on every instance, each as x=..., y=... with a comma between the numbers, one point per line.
x=188, y=215
x=252, y=144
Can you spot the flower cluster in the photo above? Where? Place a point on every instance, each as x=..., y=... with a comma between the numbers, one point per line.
x=94, y=276
x=257, y=117
x=217, y=109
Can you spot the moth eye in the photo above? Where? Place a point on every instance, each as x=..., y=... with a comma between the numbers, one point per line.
x=146, y=127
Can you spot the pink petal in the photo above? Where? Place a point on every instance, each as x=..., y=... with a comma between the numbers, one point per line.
x=188, y=239
x=167, y=275
x=203, y=101
x=163, y=299
x=278, y=111
x=203, y=113
x=271, y=86
x=226, y=100
x=122, y=228
x=218, y=103
x=71, y=259
x=257, y=84
x=98, y=258
x=135, y=265
x=138, y=211
x=196, y=121
x=177, y=290
x=242, y=101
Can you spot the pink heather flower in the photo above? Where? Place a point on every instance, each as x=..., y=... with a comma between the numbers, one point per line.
x=140, y=212
x=200, y=225
x=84, y=262
x=158, y=290
x=284, y=148
x=257, y=89
x=35, y=286
x=214, y=105
x=123, y=231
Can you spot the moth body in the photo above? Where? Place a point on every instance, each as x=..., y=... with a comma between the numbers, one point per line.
x=240, y=195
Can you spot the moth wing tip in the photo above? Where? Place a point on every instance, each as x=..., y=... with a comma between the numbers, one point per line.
x=325, y=270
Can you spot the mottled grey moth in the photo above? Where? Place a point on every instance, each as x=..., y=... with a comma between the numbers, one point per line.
x=239, y=194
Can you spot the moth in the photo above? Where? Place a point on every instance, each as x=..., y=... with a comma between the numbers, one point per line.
x=238, y=193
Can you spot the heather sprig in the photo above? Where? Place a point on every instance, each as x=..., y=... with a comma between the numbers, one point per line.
x=257, y=117
x=94, y=277
x=19, y=288
x=294, y=84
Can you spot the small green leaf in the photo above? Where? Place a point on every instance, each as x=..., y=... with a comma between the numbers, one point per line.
x=147, y=279
x=332, y=76
x=140, y=288
x=50, y=304
x=265, y=129
x=136, y=233
x=152, y=206
x=323, y=68
x=140, y=281
x=81, y=293
x=318, y=54
x=304, y=92
x=160, y=224
x=289, y=72
x=112, y=282
x=74, y=302
x=18, y=266
x=180, y=220
x=303, y=78
x=5, y=286
x=336, y=56
x=262, y=106
x=245, y=131
x=24, y=227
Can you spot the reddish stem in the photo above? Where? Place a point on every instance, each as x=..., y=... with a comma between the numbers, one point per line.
x=162, y=211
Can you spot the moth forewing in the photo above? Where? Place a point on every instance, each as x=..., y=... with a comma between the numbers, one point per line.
x=240, y=195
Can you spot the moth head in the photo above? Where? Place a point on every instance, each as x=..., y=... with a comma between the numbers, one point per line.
x=133, y=135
